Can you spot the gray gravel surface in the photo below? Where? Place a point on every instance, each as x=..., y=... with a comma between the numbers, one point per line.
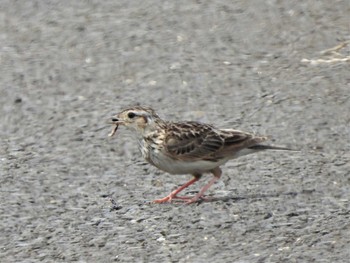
x=66, y=66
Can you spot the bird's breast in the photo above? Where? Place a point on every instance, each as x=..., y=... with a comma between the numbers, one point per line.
x=144, y=149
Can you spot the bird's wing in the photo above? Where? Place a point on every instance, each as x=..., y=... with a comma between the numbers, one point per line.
x=196, y=141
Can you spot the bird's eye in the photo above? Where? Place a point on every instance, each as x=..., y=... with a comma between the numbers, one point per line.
x=131, y=115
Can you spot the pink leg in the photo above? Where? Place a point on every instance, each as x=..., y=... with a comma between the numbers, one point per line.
x=173, y=194
x=217, y=174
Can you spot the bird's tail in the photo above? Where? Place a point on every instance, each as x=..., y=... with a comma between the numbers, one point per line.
x=261, y=147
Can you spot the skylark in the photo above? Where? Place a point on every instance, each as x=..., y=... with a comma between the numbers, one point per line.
x=186, y=147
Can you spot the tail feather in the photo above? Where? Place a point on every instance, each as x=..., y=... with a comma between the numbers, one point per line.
x=261, y=147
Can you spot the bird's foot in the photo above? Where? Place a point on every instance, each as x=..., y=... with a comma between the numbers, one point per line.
x=166, y=199
x=186, y=199
x=170, y=198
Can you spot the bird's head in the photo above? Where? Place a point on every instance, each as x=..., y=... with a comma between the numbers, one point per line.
x=139, y=119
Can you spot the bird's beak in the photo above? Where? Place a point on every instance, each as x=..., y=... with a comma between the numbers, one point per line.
x=116, y=122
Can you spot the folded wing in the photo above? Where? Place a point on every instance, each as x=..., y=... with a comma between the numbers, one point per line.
x=196, y=141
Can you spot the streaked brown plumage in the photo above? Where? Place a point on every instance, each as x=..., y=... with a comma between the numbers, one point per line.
x=186, y=147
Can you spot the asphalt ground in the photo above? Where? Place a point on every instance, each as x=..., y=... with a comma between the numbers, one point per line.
x=70, y=194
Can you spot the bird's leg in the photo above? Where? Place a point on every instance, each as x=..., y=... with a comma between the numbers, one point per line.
x=173, y=194
x=217, y=174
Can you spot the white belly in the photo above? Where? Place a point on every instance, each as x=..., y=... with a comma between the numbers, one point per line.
x=181, y=167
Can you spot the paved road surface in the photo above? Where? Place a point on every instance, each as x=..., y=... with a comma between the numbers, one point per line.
x=66, y=66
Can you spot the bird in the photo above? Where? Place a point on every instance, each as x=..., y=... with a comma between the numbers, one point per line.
x=186, y=147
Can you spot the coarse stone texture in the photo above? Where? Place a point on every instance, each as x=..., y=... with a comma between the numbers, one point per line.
x=67, y=66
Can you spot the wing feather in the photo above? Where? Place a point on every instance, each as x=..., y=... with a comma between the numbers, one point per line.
x=197, y=141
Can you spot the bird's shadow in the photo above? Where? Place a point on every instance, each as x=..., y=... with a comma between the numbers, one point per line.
x=206, y=199
x=245, y=197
